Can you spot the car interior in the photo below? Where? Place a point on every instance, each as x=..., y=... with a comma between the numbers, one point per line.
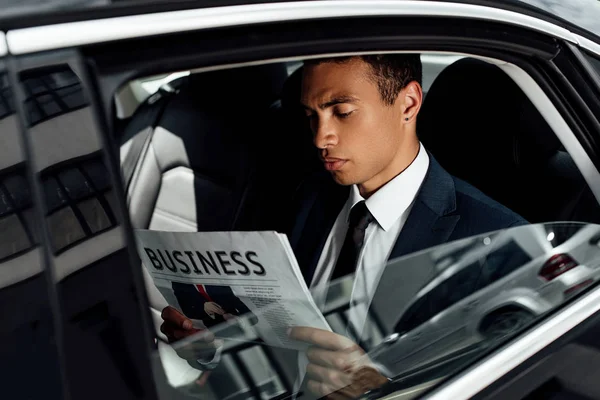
x=226, y=150
x=221, y=150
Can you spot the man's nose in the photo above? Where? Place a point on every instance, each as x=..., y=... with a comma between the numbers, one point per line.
x=325, y=135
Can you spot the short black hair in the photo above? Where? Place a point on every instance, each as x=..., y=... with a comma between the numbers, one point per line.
x=391, y=72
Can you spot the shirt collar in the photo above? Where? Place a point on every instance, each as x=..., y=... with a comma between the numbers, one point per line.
x=393, y=199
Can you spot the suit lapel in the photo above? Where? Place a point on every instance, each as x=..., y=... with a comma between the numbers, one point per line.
x=433, y=215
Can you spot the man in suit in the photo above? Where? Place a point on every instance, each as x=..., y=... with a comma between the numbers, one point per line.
x=382, y=196
x=212, y=304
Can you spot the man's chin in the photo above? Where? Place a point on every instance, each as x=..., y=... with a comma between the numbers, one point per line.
x=341, y=179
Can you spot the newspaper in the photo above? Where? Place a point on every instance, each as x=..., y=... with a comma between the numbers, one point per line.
x=219, y=277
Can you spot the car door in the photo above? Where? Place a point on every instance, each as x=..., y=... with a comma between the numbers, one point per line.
x=30, y=344
x=139, y=51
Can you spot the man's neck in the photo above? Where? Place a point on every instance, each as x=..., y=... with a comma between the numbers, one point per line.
x=405, y=158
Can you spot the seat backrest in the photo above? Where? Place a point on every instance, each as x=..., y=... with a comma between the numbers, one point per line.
x=482, y=128
x=198, y=173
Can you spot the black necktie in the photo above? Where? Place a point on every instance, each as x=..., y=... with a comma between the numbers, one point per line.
x=360, y=218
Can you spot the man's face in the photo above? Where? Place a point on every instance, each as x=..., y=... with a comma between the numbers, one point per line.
x=359, y=136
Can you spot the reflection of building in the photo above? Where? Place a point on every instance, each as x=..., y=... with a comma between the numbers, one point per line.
x=19, y=257
x=16, y=214
x=7, y=107
x=54, y=93
x=78, y=202
x=27, y=327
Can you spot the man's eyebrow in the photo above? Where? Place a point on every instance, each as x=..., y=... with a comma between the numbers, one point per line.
x=333, y=102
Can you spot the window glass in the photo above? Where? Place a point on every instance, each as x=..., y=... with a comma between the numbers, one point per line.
x=189, y=164
x=513, y=265
x=502, y=262
x=419, y=312
x=57, y=92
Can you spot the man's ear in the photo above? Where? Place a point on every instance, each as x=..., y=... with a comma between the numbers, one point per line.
x=412, y=96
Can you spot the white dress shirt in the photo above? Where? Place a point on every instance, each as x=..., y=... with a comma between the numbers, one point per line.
x=390, y=207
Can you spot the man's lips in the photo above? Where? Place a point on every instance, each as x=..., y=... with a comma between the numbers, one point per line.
x=333, y=164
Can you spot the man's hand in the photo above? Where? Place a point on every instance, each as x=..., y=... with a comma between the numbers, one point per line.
x=177, y=326
x=338, y=367
x=228, y=317
x=212, y=308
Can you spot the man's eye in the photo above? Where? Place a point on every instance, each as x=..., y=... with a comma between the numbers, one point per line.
x=344, y=115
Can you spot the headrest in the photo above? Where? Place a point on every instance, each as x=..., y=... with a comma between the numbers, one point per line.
x=246, y=86
x=475, y=117
x=292, y=88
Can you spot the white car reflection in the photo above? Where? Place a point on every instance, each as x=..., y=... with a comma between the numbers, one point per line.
x=495, y=289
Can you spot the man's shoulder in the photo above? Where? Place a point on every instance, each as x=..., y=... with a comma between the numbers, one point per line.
x=479, y=210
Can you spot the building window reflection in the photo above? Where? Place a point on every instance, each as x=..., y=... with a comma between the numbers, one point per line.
x=78, y=198
x=54, y=93
x=6, y=102
x=16, y=214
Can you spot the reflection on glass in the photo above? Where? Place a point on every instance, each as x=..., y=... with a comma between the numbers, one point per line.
x=445, y=318
x=57, y=91
x=433, y=314
x=78, y=197
x=86, y=241
x=27, y=331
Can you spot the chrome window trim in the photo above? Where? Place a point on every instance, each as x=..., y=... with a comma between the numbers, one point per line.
x=49, y=37
x=494, y=367
x=3, y=45
x=588, y=45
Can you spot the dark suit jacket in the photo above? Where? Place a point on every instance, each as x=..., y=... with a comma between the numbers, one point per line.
x=192, y=302
x=444, y=210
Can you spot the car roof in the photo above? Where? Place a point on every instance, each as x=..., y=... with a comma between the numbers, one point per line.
x=581, y=16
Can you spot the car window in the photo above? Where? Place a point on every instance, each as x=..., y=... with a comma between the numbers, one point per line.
x=481, y=304
x=476, y=275
x=189, y=165
x=501, y=262
x=417, y=314
x=453, y=317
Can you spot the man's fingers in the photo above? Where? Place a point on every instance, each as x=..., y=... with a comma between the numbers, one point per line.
x=176, y=318
x=175, y=333
x=319, y=337
x=367, y=378
x=321, y=389
x=340, y=360
x=332, y=377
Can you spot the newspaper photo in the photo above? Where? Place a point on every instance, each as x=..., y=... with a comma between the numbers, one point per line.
x=216, y=278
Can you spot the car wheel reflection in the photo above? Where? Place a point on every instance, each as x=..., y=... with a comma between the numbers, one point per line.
x=501, y=325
